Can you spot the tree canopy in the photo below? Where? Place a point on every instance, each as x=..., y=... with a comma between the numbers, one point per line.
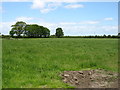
x=59, y=32
x=18, y=28
x=29, y=30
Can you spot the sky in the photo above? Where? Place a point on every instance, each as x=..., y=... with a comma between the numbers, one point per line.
x=75, y=17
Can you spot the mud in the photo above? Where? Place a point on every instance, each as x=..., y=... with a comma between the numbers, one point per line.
x=91, y=79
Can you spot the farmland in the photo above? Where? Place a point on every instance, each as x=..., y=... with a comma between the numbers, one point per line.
x=37, y=62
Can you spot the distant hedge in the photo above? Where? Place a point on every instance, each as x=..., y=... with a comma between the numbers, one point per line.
x=53, y=36
x=109, y=36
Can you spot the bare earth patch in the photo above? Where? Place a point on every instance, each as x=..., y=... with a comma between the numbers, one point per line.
x=91, y=79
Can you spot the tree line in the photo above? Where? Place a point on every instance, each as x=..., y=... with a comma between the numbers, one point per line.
x=96, y=36
x=21, y=29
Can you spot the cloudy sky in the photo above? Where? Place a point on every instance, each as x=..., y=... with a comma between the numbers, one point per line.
x=75, y=17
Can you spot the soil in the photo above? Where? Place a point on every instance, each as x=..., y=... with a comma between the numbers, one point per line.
x=91, y=78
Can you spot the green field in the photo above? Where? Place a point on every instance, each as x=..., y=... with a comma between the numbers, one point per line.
x=37, y=63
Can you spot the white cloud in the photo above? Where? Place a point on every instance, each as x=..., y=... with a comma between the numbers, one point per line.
x=108, y=19
x=109, y=28
x=24, y=19
x=38, y=4
x=90, y=30
x=79, y=23
x=6, y=27
x=74, y=6
x=45, y=6
x=89, y=22
x=49, y=5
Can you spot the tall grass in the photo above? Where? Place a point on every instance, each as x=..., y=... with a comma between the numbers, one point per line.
x=37, y=63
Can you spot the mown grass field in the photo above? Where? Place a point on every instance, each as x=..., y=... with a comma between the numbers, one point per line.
x=37, y=63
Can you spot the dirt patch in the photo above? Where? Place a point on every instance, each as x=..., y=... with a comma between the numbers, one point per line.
x=91, y=79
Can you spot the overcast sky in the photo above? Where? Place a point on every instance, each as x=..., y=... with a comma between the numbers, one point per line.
x=73, y=16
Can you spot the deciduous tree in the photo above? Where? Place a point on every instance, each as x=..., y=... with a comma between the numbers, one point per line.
x=19, y=28
x=59, y=32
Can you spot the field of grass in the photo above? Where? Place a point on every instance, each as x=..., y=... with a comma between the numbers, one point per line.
x=37, y=63
x=0, y=63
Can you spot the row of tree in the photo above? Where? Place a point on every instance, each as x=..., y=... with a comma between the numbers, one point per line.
x=21, y=29
x=96, y=36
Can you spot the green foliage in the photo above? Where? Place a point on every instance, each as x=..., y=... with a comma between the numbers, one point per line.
x=0, y=63
x=18, y=28
x=37, y=62
x=12, y=32
x=33, y=30
x=59, y=32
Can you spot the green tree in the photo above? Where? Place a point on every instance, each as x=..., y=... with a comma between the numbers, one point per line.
x=41, y=31
x=46, y=32
x=59, y=32
x=19, y=28
x=31, y=30
x=35, y=30
x=104, y=36
x=12, y=32
x=109, y=36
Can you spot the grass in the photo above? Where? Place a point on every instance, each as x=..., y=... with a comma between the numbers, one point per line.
x=0, y=63
x=37, y=63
